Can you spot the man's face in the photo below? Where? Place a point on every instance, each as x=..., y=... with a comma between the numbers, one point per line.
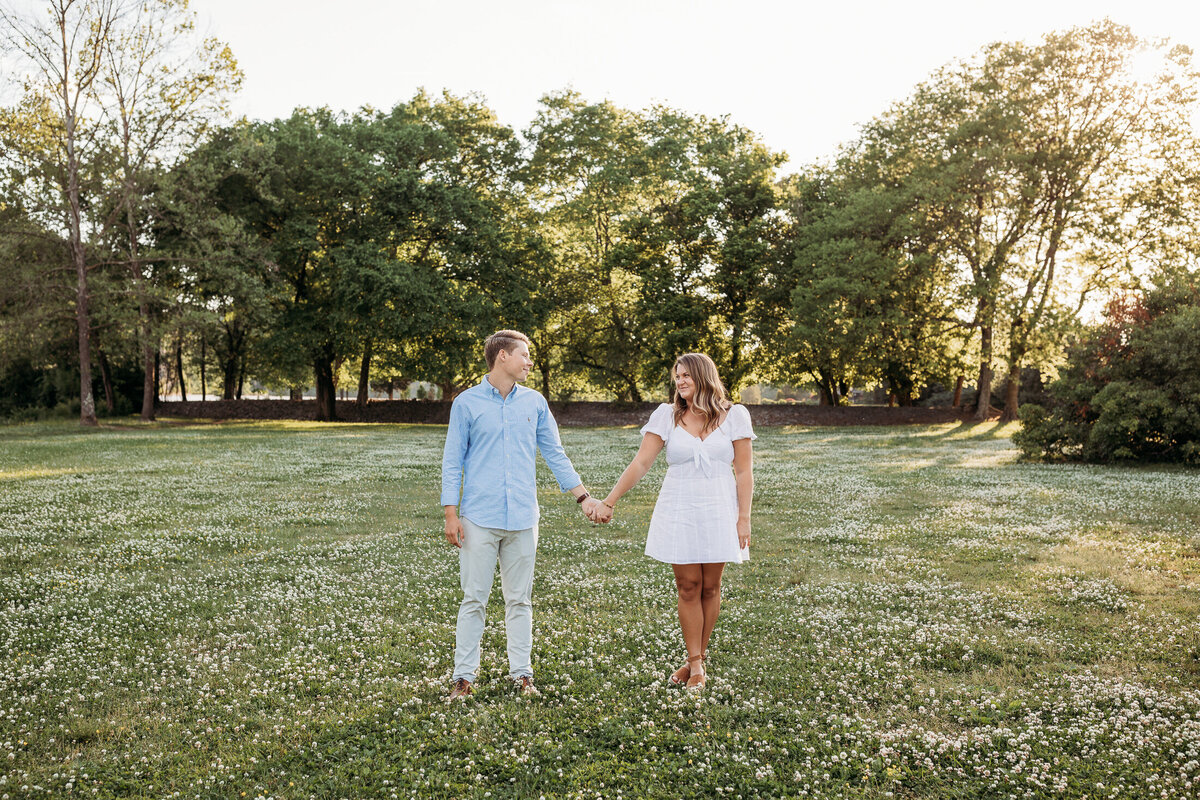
x=515, y=364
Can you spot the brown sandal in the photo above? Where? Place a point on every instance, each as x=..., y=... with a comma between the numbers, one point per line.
x=681, y=675
x=697, y=681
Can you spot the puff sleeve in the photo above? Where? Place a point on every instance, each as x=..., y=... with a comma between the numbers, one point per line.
x=739, y=424
x=661, y=422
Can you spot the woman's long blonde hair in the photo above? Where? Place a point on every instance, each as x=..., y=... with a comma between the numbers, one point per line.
x=708, y=393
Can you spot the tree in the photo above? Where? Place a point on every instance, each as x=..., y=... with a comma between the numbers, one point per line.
x=702, y=232
x=160, y=90
x=389, y=234
x=1101, y=121
x=863, y=296
x=65, y=51
x=1131, y=388
x=581, y=183
x=1026, y=156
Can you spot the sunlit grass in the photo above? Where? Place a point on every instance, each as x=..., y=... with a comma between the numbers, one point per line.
x=269, y=608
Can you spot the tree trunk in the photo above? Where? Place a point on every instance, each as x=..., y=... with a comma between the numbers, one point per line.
x=145, y=326
x=900, y=386
x=983, y=402
x=179, y=369
x=544, y=368
x=106, y=377
x=635, y=395
x=149, y=381
x=364, y=376
x=241, y=377
x=229, y=378
x=156, y=387
x=1016, y=356
x=83, y=327
x=1012, y=390
x=203, y=360
x=391, y=388
x=826, y=392
x=958, y=387
x=326, y=402
x=295, y=393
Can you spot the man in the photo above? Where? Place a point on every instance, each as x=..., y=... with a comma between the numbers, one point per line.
x=496, y=430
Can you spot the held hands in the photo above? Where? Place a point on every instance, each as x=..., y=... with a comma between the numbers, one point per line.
x=596, y=511
x=604, y=513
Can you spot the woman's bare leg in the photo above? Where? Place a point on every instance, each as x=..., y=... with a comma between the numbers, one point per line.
x=710, y=599
x=688, y=582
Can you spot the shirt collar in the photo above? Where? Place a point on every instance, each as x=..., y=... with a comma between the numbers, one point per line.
x=492, y=391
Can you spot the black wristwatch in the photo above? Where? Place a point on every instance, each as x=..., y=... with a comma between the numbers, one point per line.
x=583, y=496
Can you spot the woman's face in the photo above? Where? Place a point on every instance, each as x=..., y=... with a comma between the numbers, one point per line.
x=683, y=382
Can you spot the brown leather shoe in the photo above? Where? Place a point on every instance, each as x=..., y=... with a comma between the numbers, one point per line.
x=462, y=689
x=527, y=688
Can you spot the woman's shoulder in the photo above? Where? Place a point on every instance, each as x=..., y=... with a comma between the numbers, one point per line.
x=661, y=421
x=736, y=411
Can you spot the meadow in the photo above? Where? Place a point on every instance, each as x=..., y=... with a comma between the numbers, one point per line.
x=267, y=610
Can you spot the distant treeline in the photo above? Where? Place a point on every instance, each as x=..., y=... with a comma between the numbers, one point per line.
x=962, y=237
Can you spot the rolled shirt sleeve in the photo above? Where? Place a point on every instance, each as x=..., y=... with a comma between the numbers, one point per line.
x=552, y=451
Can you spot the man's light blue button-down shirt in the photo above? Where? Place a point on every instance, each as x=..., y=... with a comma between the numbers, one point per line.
x=491, y=456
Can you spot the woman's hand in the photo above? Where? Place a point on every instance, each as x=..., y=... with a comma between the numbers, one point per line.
x=743, y=530
x=604, y=513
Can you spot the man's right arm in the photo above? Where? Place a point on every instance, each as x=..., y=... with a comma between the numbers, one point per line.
x=454, y=454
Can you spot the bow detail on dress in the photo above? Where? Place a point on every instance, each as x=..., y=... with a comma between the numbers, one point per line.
x=701, y=460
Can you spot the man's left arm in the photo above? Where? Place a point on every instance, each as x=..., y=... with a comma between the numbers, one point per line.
x=550, y=445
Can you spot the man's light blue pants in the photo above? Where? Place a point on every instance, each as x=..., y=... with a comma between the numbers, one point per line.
x=516, y=551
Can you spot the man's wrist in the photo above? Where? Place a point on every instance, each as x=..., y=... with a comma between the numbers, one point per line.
x=450, y=511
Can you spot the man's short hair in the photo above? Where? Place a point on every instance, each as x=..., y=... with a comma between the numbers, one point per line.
x=501, y=340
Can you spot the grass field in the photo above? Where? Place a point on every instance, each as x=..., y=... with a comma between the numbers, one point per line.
x=251, y=610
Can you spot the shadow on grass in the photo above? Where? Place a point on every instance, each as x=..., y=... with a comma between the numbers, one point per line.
x=987, y=430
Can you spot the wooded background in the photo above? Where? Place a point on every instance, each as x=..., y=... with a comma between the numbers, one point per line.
x=971, y=232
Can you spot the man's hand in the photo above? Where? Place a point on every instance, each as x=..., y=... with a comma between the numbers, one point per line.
x=603, y=513
x=589, y=508
x=454, y=529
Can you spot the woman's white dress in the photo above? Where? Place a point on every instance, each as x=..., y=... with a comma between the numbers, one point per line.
x=695, y=518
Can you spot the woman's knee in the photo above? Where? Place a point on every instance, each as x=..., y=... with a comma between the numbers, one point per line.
x=689, y=590
x=710, y=591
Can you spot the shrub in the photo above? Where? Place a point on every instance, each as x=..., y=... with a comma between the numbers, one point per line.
x=1131, y=388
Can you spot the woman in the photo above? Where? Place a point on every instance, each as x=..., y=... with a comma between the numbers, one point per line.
x=702, y=517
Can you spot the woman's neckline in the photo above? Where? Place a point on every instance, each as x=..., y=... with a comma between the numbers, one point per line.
x=710, y=433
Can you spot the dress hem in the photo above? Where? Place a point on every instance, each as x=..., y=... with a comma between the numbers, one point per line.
x=719, y=561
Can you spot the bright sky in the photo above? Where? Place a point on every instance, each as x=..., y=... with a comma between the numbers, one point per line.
x=802, y=74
